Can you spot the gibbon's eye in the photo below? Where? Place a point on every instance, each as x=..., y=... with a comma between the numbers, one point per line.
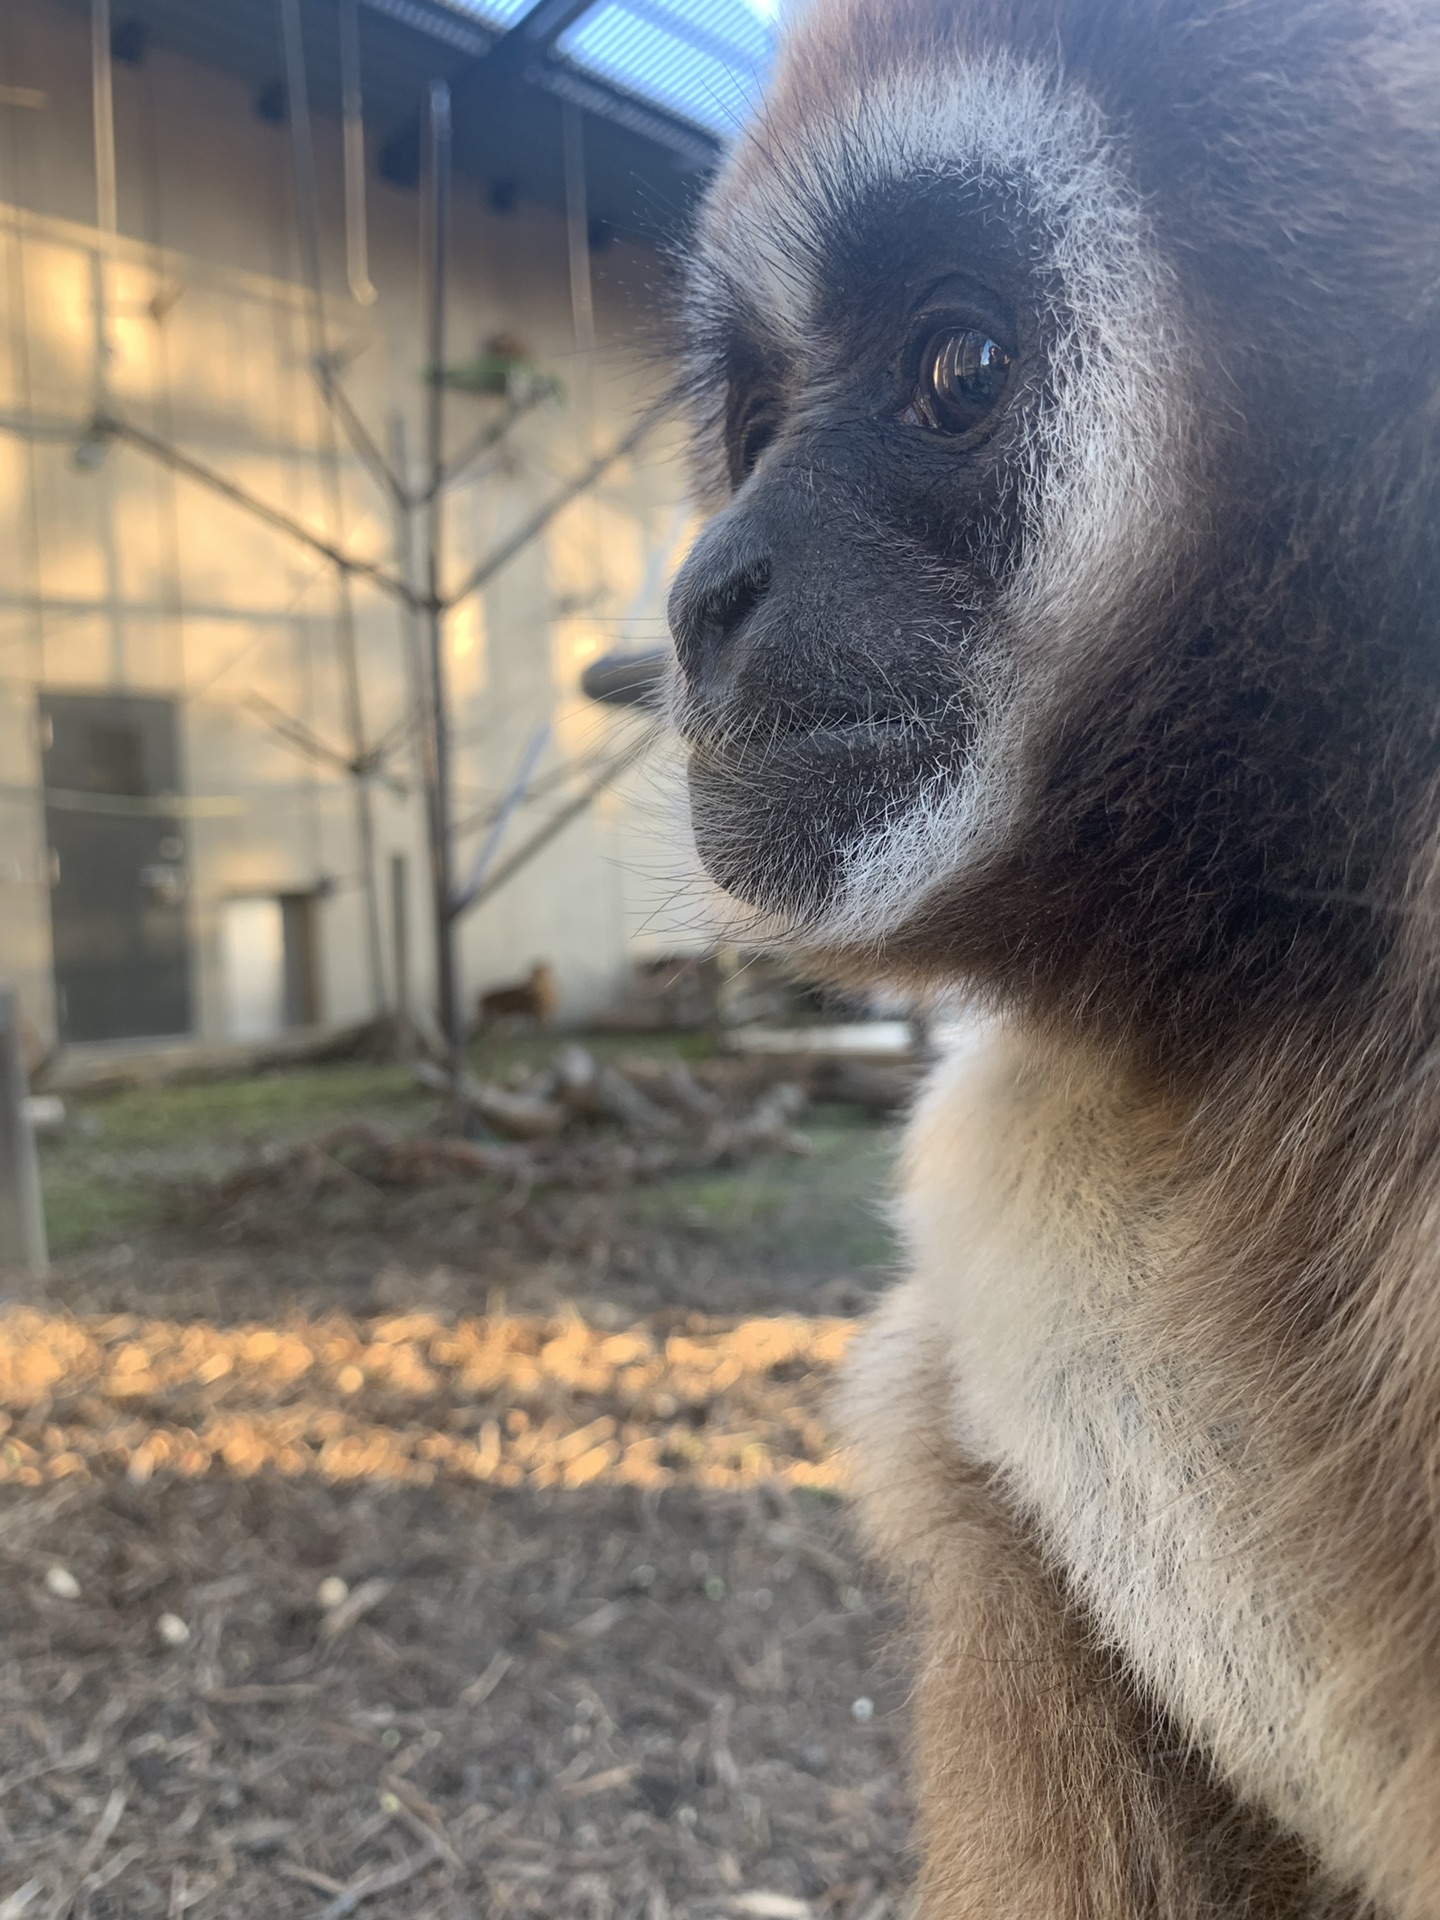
x=962, y=373
x=751, y=432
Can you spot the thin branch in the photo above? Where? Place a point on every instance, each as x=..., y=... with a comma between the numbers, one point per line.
x=296, y=734
x=483, y=441
x=513, y=797
x=541, y=839
x=536, y=524
x=366, y=448
x=558, y=776
x=111, y=426
x=369, y=765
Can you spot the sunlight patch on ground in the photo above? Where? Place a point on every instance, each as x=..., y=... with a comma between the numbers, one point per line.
x=508, y=1399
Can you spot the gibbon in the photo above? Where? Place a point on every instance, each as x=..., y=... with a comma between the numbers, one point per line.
x=1066, y=377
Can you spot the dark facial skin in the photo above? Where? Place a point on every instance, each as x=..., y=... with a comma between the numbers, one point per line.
x=829, y=621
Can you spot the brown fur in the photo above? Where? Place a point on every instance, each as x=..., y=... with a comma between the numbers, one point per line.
x=1052, y=1786
x=1200, y=1167
x=535, y=998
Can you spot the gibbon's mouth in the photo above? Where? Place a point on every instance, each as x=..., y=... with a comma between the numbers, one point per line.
x=778, y=810
x=747, y=733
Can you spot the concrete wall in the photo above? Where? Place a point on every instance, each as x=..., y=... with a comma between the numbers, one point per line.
x=130, y=577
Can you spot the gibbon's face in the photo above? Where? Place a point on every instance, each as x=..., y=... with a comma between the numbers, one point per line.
x=1069, y=430
x=944, y=406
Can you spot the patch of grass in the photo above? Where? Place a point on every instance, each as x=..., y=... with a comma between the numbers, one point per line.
x=281, y=1102
x=819, y=1214
x=117, y=1173
x=82, y=1212
x=491, y=1058
x=110, y=1178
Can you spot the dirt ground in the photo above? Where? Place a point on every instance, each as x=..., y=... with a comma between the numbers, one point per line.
x=412, y=1555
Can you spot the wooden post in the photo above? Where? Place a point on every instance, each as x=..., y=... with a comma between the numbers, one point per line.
x=22, y=1216
x=400, y=939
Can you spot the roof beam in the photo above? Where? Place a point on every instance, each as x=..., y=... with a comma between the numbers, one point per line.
x=530, y=38
x=527, y=52
x=533, y=41
x=542, y=24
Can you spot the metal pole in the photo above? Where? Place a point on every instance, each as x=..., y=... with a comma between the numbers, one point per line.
x=417, y=684
x=102, y=90
x=582, y=299
x=22, y=1214
x=361, y=771
x=452, y=1019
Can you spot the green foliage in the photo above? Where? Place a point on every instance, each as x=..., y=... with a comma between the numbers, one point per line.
x=819, y=1215
x=114, y=1173
x=498, y=376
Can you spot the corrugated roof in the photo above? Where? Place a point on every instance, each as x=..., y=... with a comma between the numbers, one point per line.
x=704, y=60
x=504, y=13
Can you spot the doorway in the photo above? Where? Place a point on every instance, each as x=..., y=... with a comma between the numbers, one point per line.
x=118, y=866
x=268, y=964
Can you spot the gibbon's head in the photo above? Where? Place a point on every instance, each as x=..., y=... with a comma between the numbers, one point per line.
x=1067, y=386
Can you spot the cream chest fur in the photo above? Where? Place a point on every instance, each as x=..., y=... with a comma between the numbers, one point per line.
x=1043, y=1205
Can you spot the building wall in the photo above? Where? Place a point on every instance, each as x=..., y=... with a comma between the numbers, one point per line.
x=193, y=322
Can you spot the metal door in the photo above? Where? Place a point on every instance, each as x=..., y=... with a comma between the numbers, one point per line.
x=117, y=865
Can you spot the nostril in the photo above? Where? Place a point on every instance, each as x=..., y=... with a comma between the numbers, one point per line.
x=708, y=612
x=731, y=604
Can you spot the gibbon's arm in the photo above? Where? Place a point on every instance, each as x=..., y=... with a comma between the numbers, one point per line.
x=1050, y=1787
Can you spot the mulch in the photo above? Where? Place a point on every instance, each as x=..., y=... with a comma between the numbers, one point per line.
x=409, y=1398
x=437, y=1615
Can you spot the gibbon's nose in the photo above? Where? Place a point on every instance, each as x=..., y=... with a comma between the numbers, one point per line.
x=715, y=593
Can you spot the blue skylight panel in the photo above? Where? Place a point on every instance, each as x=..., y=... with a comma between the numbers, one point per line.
x=498, y=13
x=704, y=60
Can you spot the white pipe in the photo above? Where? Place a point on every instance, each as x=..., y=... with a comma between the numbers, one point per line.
x=352, y=107
x=514, y=795
x=582, y=302
x=104, y=106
